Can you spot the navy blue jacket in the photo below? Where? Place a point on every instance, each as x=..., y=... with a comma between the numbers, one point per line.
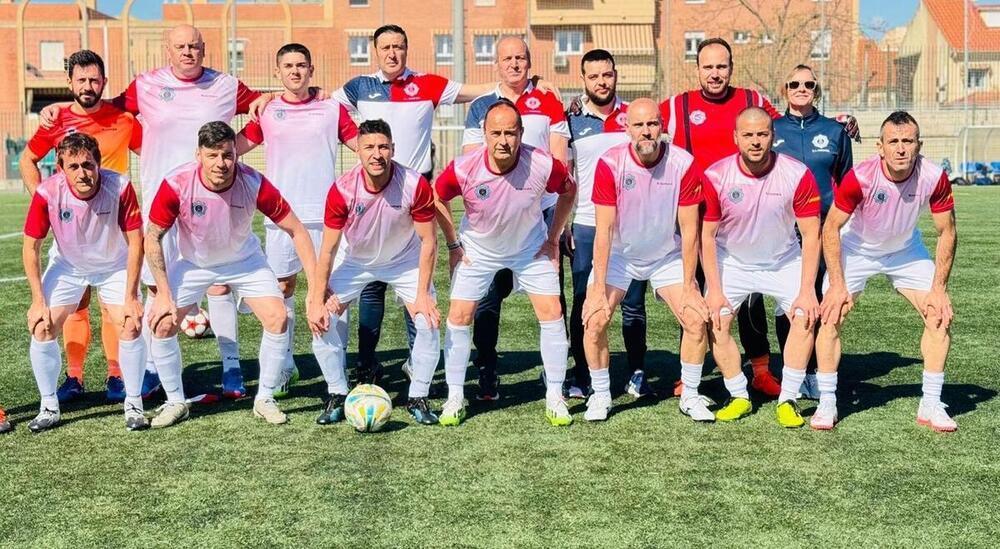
x=821, y=144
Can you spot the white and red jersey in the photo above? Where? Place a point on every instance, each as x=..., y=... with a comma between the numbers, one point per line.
x=503, y=214
x=407, y=104
x=884, y=212
x=756, y=215
x=592, y=137
x=173, y=110
x=646, y=199
x=378, y=225
x=215, y=228
x=89, y=232
x=301, y=141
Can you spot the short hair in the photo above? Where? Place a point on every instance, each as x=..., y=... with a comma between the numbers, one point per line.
x=755, y=111
x=503, y=102
x=597, y=55
x=76, y=143
x=899, y=118
x=213, y=134
x=293, y=47
x=376, y=126
x=84, y=58
x=396, y=29
x=496, y=50
x=817, y=91
x=717, y=41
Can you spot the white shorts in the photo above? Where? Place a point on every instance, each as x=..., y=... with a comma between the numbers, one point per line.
x=248, y=278
x=170, y=255
x=348, y=279
x=782, y=283
x=908, y=269
x=534, y=276
x=60, y=287
x=666, y=272
x=280, y=250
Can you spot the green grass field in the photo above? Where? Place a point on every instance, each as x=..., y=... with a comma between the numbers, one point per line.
x=647, y=477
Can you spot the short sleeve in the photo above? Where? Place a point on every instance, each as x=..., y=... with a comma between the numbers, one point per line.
x=713, y=209
x=450, y=93
x=422, y=209
x=271, y=203
x=346, y=128
x=244, y=96
x=253, y=132
x=165, y=208
x=557, y=117
x=36, y=224
x=447, y=185
x=691, y=187
x=129, y=218
x=473, y=134
x=806, y=202
x=128, y=100
x=135, y=138
x=43, y=141
x=335, y=216
x=605, y=190
x=848, y=193
x=559, y=180
x=942, y=199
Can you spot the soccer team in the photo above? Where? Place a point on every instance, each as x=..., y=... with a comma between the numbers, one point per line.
x=742, y=202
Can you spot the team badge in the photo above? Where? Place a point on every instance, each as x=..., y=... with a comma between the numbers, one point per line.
x=629, y=183
x=359, y=210
x=411, y=89
x=881, y=196
x=621, y=119
x=533, y=103
x=736, y=196
x=66, y=215
x=198, y=208
x=821, y=141
x=482, y=192
x=280, y=114
x=698, y=117
x=167, y=94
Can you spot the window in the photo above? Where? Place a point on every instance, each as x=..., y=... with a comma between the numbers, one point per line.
x=357, y=46
x=444, y=49
x=766, y=37
x=484, y=46
x=238, y=60
x=53, y=56
x=979, y=79
x=358, y=3
x=741, y=37
x=691, y=41
x=569, y=42
x=822, y=41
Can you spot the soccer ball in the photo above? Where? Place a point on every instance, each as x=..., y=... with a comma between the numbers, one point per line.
x=368, y=408
x=195, y=324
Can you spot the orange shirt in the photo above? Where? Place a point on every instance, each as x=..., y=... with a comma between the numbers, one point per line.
x=115, y=130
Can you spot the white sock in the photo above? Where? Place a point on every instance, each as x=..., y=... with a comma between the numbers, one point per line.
x=424, y=357
x=331, y=354
x=132, y=357
x=289, y=363
x=272, y=355
x=457, y=348
x=222, y=314
x=147, y=333
x=690, y=378
x=600, y=380
x=166, y=355
x=791, y=382
x=46, y=362
x=342, y=326
x=827, y=385
x=555, y=355
x=737, y=386
x=933, y=383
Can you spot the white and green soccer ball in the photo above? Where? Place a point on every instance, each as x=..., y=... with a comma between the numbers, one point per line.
x=368, y=408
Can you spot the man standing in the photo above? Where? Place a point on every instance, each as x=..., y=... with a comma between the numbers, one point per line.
x=502, y=185
x=94, y=216
x=213, y=200
x=642, y=190
x=116, y=132
x=385, y=213
x=753, y=202
x=880, y=201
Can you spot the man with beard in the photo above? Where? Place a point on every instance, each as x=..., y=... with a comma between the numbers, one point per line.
x=116, y=131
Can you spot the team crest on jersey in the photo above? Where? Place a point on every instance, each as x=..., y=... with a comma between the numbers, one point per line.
x=483, y=192
x=411, y=89
x=280, y=114
x=198, y=208
x=629, y=182
x=533, y=103
x=736, y=196
x=698, y=117
x=167, y=94
x=881, y=196
x=66, y=215
x=359, y=209
x=621, y=119
x=821, y=141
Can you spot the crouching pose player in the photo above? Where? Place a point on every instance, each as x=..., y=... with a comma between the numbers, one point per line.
x=384, y=212
x=213, y=200
x=94, y=217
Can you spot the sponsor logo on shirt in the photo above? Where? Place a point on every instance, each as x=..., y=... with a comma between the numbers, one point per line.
x=736, y=196
x=533, y=103
x=198, y=208
x=629, y=183
x=167, y=94
x=821, y=141
x=778, y=142
x=411, y=89
x=483, y=192
x=698, y=117
x=280, y=114
x=106, y=212
x=880, y=196
x=374, y=95
x=585, y=131
x=66, y=215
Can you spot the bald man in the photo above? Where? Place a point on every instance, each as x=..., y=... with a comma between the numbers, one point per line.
x=642, y=190
x=753, y=202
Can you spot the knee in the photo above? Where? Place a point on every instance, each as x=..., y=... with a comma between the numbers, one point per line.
x=165, y=328
x=41, y=333
x=695, y=332
x=129, y=331
x=828, y=331
x=274, y=320
x=460, y=318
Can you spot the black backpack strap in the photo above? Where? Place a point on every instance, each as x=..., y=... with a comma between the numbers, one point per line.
x=686, y=120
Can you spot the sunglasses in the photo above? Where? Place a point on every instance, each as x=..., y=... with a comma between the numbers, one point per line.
x=794, y=85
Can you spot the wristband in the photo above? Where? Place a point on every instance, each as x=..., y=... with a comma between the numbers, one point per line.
x=452, y=246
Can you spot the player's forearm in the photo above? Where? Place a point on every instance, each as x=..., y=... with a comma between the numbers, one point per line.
x=428, y=257
x=944, y=257
x=689, y=219
x=133, y=265
x=811, y=249
x=831, y=251
x=442, y=214
x=29, y=172
x=307, y=255
x=468, y=92
x=155, y=260
x=30, y=253
x=602, y=253
x=564, y=208
x=710, y=261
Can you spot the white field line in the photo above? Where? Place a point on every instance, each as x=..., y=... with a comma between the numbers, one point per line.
x=10, y=235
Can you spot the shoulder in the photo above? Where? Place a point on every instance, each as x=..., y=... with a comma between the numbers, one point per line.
x=790, y=164
x=479, y=105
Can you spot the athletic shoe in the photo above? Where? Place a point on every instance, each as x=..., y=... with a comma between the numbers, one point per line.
x=134, y=419
x=696, y=407
x=598, y=407
x=489, y=386
x=735, y=408
x=45, y=420
x=267, y=409
x=766, y=384
x=453, y=412
x=825, y=416
x=810, y=388
x=576, y=393
x=637, y=385
x=150, y=384
x=556, y=412
x=788, y=415
x=291, y=379
x=5, y=425
x=169, y=413
x=408, y=370
x=678, y=388
x=333, y=410
x=114, y=389
x=232, y=383
x=935, y=417
x=420, y=411
x=71, y=389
